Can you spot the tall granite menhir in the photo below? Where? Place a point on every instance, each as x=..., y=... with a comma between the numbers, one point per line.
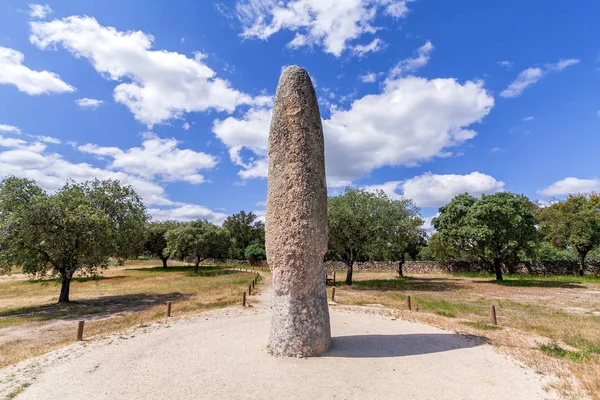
x=296, y=226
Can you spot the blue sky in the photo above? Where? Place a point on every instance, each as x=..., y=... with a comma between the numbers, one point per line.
x=424, y=99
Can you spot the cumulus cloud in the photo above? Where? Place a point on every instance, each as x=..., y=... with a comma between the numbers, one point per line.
x=156, y=158
x=332, y=24
x=410, y=121
x=410, y=65
x=187, y=212
x=9, y=129
x=13, y=72
x=156, y=85
x=432, y=190
x=506, y=64
x=571, y=185
x=531, y=76
x=39, y=11
x=373, y=47
x=368, y=78
x=90, y=104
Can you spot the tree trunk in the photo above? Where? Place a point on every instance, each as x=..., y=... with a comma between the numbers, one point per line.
x=400, y=264
x=164, y=261
x=65, y=280
x=498, y=268
x=581, y=254
x=196, y=266
x=350, y=265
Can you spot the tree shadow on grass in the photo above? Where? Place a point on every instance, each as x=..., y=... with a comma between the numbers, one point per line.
x=94, y=308
x=535, y=283
x=75, y=279
x=189, y=270
x=379, y=346
x=407, y=284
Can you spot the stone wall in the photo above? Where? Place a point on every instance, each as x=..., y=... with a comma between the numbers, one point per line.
x=428, y=267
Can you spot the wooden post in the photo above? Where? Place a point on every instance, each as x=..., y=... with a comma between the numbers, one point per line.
x=168, y=309
x=334, y=278
x=253, y=283
x=408, y=303
x=80, y=331
x=493, y=318
x=244, y=299
x=333, y=294
x=249, y=290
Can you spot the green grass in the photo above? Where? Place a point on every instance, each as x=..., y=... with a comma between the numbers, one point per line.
x=445, y=313
x=539, y=278
x=556, y=351
x=481, y=325
x=439, y=306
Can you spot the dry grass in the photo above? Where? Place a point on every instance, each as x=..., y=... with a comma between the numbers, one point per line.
x=551, y=324
x=31, y=323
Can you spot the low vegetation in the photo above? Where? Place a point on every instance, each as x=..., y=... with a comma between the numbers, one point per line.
x=32, y=323
x=541, y=320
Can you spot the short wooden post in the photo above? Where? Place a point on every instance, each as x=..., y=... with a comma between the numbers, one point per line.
x=333, y=294
x=243, y=299
x=249, y=290
x=253, y=283
x=408, y=303
x=168, y=309
x=334, y=277
x=80, y=331
x=493, y=318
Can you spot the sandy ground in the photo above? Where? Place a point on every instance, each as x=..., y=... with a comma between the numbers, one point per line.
x=222, y=354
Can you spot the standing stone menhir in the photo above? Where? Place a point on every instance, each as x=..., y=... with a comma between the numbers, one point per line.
x=296, y=226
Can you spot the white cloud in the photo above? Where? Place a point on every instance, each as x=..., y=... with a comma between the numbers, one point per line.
x=90, y=104
x=368, y=78
x=12, y=142
x=13, y=72
x=530, y=76
x=39, y=11
x=373, y=47
x=48, y=139
x=571, y=186
x=186, y=126
x=432, y=190
x=156, y=158
x=427, y=223
x=331, y=24
x=156, y=85
x=187, y=212
x=506, y=64
x=495, y=150
x=528, y=119
x=9, y=129
x=51, y=171
x=411, y=120
x=410, y=65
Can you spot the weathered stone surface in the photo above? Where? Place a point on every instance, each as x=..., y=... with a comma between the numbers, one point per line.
x=296, y=224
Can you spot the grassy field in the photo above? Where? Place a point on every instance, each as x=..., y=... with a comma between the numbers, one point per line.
x=550, y=323
x=32, y=323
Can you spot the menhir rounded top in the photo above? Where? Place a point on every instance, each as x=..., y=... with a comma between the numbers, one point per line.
x=294, y=75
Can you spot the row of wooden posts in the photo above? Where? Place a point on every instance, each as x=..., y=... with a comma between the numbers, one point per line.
x=81, y=324
x=493, y=318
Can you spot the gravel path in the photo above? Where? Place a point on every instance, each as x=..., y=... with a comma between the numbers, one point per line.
x=222, y=355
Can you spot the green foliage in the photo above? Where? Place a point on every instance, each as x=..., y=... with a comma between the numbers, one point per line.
x=255, y=252
x=498, y=229
x=76, y=229
x=574, y=223
x=156, y=243
x=244, y=230
x=365, y=225
x=198, y=240
x=481, y=325
x=547, y=252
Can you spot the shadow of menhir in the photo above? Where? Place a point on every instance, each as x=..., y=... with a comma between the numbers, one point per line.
x=378, y=346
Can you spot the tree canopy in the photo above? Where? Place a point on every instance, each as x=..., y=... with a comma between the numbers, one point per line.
x=156, y=242
x=77, y=228
x=574, y=223
x=244, y=229
x=367, y=225
x=198, y=240
x=496, y=229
